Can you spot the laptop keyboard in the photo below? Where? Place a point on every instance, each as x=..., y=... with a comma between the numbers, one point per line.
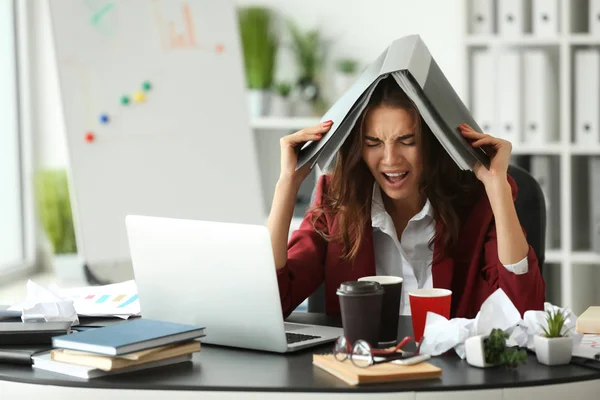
x=298, y=337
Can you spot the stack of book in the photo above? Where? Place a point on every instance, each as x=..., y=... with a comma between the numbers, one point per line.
x=128, y=346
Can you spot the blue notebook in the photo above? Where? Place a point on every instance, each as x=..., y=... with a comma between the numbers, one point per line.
x=128, y=337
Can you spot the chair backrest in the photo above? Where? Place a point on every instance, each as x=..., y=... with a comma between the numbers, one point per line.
x=531, y=210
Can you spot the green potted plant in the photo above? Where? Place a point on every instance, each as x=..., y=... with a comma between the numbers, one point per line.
x=309, y=49
x=259, y=47
x=346, y=72
x=281, y=104
x=55, y=215
x=554, y=347
x=491, y=350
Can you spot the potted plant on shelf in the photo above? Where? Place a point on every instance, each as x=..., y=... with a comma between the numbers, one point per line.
x=491, y=350
x=346, y=74
x=309, y=49
x=554, y=347
x=281, y=104
x=260, y=51
x=54, y=210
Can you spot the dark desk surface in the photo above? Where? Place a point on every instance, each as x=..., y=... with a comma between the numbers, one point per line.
x=229, y=369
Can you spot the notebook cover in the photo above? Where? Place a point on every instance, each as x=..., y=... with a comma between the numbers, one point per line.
x=117, y=337
x=379, y=373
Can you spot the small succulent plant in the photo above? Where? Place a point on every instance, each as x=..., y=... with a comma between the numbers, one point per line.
x=556, y=324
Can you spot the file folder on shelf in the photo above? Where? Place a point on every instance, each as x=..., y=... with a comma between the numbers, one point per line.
x=514, y=17
x=545, y=18
x=481, y=17
x=594, y=176
x=587, y=97
x=545, y=171
x=594, y=17
x=483, y=106
x=509, y=96
x=540, y=98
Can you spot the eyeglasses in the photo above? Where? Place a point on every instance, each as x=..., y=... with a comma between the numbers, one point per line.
x=363, y=355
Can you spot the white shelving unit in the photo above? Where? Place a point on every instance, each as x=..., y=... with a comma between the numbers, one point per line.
x=572, y=274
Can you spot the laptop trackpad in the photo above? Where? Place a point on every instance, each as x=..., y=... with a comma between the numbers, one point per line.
x=289, y=327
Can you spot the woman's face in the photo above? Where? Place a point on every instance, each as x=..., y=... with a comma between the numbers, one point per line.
x=391, y=152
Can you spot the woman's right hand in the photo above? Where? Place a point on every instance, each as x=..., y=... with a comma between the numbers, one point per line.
x=290, y=146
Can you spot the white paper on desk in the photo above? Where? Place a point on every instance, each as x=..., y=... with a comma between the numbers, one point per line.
x=497, y=311
x=441, y=335
x=589, y=347
x=114, y=300
x=41, y=304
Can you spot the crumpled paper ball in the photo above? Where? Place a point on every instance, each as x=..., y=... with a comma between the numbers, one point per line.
x=496, y=312
x=43, y=305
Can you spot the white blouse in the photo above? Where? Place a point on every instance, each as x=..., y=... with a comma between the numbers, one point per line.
x=409, y=257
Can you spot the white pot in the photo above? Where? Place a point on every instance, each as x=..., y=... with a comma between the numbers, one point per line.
x=280, y=106
x=475, y=352
x=68, y=269
x=553, y=351
x=259, y=102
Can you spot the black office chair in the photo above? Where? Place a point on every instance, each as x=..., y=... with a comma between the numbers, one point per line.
x=531, y=210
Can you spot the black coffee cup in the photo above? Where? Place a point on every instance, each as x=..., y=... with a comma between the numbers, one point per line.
x=360, y=303
x=390, y=309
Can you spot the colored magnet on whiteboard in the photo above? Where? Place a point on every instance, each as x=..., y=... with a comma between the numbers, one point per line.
x=89, y=137
x=139, y=97
x=146, y=86
x=104, y=118
x=220, y=48
x=125, y=100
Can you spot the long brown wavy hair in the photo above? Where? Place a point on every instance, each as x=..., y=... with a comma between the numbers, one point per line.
x=450, y=190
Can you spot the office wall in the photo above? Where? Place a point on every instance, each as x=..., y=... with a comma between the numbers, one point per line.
x=362, y=29
x=358, y=28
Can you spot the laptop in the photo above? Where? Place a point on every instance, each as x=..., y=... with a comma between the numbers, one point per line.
x=218, y=275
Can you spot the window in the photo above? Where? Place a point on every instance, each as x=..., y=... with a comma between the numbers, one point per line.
x=12, y=252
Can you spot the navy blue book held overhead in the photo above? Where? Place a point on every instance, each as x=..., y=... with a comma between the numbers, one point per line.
x=128, y=337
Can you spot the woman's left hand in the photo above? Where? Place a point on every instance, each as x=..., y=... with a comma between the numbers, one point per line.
x=498, y=149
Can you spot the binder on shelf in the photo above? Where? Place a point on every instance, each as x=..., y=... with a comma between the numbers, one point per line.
x=540, y=98
x=481, y=17
x=545, y=171
x=514, y=17
x=509, y=96
x=594, y=17
x=594, y=176
x=580, y=203
x=587, y=97
x=483, y=104
x=545, y=18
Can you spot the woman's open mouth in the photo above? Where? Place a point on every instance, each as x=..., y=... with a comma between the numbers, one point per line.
x=395, y=179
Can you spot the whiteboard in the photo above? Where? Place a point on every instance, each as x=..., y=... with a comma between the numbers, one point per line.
x=168, y=78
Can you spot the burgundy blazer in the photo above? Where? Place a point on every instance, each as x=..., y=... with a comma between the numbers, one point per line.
x=472, y=272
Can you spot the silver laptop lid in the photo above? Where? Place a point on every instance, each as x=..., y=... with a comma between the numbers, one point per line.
x=218, y=275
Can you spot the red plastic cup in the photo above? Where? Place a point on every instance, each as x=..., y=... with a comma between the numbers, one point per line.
x=424, y=300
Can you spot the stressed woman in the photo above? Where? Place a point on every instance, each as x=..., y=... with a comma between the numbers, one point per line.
x=395, y=203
